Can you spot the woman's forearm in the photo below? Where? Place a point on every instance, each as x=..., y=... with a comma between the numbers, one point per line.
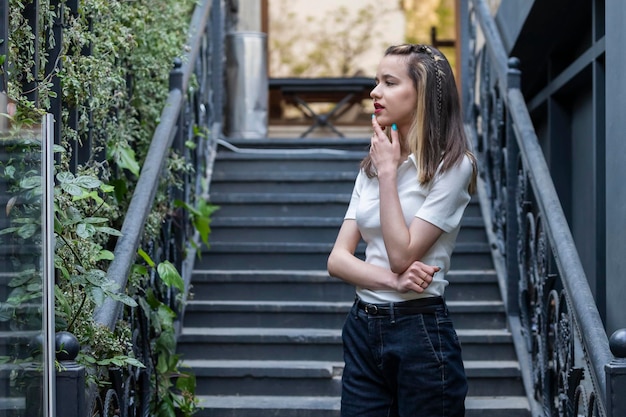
x=347, y=267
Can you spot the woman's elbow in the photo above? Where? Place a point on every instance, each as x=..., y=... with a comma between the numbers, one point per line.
x=398, y=266
x=331, y=264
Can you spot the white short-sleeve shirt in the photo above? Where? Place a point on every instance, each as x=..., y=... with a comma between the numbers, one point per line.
x=441, y=203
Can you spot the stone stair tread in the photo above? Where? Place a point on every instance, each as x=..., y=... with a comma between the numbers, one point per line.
x=284, y=176
x=287, y=154
x=278, y=332
x=265, y=368
x=240, y=367
x=269, y=402
x=301, y=221
x=278, y=275
x=219, y=275
x=290, y=306
x=278, y=305
x=276, y=198
x=260, y=247
x=268, y=333
x=287, y=221
x=260, y=402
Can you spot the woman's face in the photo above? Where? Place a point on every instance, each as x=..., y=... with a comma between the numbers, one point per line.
x=394, y=96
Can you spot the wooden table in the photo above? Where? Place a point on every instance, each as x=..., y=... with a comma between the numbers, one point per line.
x=342, y=91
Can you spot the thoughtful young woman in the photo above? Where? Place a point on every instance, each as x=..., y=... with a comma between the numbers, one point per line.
x=401, y=352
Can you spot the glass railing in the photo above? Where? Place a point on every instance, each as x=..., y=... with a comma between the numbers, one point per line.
x=26, y=262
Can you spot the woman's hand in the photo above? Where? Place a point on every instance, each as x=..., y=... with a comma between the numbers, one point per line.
x=416, y=278
x=384, y=151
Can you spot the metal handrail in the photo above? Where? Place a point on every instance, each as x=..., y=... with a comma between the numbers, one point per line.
x=521, y=157
x=143, y=197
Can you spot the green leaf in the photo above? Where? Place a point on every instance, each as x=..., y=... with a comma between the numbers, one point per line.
x=170, y=276
x=135, y=362
x=28, y=230
x=97, y=295
x=109, y=231
x=64, y=177
x=72, y=189
x=30, y=182
x=123, y=298
x=146, y=257
x=125, y=158
x=87, y=181
x=105, y=255
x=85, y=231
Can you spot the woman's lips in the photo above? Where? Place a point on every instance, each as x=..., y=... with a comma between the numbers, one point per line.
x=378, y=108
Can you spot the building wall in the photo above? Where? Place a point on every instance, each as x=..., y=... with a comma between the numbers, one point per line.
x=302, y=25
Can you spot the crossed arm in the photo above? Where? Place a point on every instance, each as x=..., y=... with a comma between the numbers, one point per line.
x=343, y=264
x=405, y=245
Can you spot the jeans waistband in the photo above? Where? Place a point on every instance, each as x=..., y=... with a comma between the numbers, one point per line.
x=427, y=305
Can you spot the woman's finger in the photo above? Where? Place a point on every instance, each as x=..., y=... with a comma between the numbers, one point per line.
x=378, y=129
x=394, y=133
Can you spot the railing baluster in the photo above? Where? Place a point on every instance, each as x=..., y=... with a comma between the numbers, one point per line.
x=512, y=228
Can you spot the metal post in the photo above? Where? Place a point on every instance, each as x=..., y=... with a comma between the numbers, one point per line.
x=29, y=87
x=53, y=66
x=70, y=379
x=4, y=43
x=217, y=70
x=512, y=227
x=48, y=245
x=463, y=58
x=616, y=376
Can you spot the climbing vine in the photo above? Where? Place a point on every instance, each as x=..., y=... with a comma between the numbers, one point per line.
x=113, y=66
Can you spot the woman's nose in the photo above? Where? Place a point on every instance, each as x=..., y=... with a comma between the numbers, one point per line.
x=374, y=92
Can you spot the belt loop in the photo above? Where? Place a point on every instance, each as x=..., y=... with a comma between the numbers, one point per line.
x=392, y=313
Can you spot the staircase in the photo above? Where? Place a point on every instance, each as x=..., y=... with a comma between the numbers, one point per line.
x=262, y=329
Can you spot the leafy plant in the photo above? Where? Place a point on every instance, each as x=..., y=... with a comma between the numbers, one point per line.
x=113, y=66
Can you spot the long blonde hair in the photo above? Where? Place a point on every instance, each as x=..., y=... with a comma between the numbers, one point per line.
x=437, y=136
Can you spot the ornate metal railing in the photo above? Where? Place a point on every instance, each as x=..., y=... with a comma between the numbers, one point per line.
x=191, y=114
x=575, y=370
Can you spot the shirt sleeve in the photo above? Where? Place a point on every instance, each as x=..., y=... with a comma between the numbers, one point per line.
x=356, y=196
x=448, y=196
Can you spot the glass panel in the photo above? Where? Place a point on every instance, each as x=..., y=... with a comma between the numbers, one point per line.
x=21, y=269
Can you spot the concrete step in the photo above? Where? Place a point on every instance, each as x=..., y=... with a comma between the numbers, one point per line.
x=289, y=228
x=303, y=285
x=272, y=181
x=323, y=378
x=228, y=163
x=260, y=343
x=322, y=314
x=308, y=406
x=330, y=205
x=305, y=343
x=268, y=144
x=266, y=255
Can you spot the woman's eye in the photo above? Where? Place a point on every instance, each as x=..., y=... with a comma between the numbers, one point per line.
x=388, y=83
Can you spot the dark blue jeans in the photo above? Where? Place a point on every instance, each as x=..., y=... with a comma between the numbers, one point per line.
x=402, y=366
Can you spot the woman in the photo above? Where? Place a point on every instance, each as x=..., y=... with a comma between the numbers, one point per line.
x=401, y=352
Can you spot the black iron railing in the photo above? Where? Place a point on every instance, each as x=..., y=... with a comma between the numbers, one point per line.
x=191, y=114
x=573, y=367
